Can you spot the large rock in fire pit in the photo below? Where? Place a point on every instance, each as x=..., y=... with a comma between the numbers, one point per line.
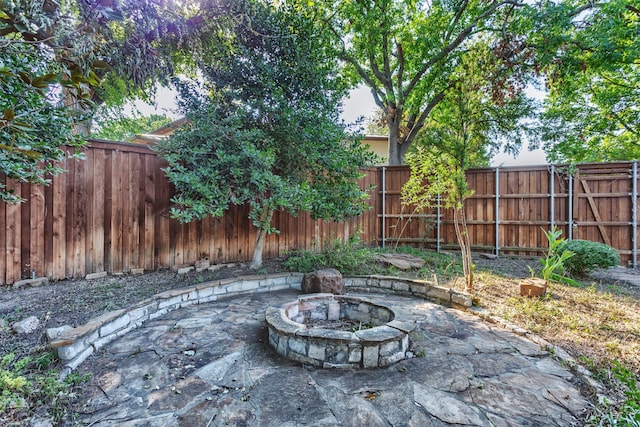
x=328, y=281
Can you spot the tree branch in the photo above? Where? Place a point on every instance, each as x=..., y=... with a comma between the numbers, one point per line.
x=456, y=18
x=633, y=9
x=413, y=132
x=455, y=43
x=400, y=75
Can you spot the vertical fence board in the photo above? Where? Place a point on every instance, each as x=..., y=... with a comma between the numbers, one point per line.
x=59, y=225
x=24, y=229
x=117, y=207
x=4, y=279
x=149, y=217
x=108, y=211
x=69, y=201
x=13, y=240
x=89, y=255
x=81, y=213
x=98, y=210
x=37, y=242
x=111, y=213
x=136, y=209
x=48, y=231
x=161, y=215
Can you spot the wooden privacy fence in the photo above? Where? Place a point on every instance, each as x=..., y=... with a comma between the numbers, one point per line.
x=110, y=212
x=596, y=202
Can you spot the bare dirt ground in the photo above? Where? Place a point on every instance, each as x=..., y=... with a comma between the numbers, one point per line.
x=74, y=302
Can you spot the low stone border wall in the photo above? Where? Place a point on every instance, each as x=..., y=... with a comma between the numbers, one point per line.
x=409, y=287
x=74, y=345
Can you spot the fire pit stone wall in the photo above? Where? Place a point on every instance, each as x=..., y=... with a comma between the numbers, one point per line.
x=378, y=334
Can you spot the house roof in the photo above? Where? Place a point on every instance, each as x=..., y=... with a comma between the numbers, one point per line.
x=160, y=133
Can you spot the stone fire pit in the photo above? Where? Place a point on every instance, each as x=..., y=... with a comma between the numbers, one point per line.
x=373, y=334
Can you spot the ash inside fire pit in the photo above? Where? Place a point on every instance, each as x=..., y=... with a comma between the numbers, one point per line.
x=338, y=325
x=339, y=331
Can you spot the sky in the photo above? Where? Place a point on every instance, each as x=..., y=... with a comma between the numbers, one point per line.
x=359, y=104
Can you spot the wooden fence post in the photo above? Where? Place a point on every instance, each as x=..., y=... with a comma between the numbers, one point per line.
x=497, y=195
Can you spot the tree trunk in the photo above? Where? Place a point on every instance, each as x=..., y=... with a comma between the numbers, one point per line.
x=265, y=221
x=70, y=101
x=398, y=147
x=395, y=153
x=462, y=234
x=256, y=262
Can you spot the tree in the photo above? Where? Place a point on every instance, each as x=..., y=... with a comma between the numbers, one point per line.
x=463, y=131
x=35, y=125
x=114, y=125
x=264, y=130
x=55, y=55
x=593, y=77
x=406, y=50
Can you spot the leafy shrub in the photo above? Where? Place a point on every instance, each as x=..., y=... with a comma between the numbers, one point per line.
x=553, y=264
x=304, y=261
x=587, y=256
x=348, y=258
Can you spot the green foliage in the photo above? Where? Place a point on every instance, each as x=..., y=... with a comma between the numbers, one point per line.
x=264, y=128
x=407, y=53
x=348, y=258
x=474, y=120
x=114, y=125
x=627, y=414
x=215, y=161
x=26, y=385
x=588, y=256
x=439, y=176
x=553, y=263
x=353, y=259
x=54, y=57
x=34, y=126
x=463, y=130
x=589, y=54
x=440, y=263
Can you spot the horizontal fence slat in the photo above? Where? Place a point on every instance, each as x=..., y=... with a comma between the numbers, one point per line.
x=112, y=214
x=518, y=196
x=525, y=200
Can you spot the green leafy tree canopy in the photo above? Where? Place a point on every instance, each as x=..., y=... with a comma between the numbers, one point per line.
x=115, y=125
x=264, y=129
x=590, y=54
x=60, y=59
x=463, y=131
x=405, y=51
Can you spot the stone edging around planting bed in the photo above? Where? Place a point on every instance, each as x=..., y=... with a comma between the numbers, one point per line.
x=74, y=345
x=558, y=353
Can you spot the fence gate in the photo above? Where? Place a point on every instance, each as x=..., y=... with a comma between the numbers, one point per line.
x=604, y=206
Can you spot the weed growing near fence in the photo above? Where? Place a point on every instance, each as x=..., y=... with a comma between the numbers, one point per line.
x=553, y=264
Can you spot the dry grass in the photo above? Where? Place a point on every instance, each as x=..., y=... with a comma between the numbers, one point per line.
x=596, y=324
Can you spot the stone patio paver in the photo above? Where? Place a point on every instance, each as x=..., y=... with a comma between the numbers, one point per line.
x=211, y=365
